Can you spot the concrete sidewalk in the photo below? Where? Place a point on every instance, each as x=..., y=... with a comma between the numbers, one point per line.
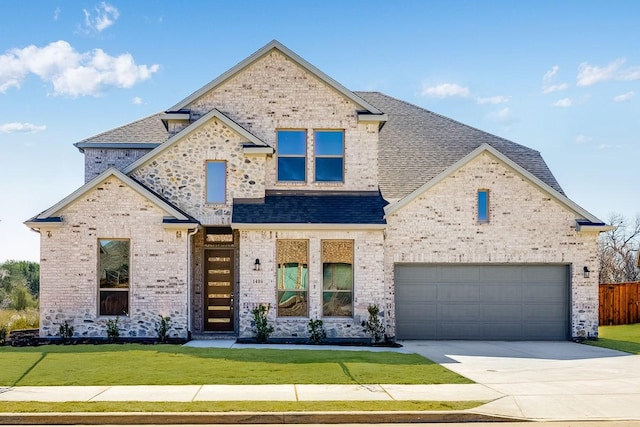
x=283, y=392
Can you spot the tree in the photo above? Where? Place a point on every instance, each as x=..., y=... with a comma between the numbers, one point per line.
x=618, y=250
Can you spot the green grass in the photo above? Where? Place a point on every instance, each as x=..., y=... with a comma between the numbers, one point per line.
x=242, y=406
x=135, y=364
x=622, y=338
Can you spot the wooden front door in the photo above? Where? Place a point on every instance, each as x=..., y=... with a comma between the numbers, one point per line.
x=218, y=298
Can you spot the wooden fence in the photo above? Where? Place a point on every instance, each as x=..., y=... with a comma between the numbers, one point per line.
x=619, y=303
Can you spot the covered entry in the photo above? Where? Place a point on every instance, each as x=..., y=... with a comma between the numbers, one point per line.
x=482, y=302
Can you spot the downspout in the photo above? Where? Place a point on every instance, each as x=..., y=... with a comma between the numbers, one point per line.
x=189, y=273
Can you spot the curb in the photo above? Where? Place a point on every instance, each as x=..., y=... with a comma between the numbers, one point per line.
x=141, y=418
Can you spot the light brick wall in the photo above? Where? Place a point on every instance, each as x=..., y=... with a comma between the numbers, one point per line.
x=98, y=160
x=526, y=226
x=179, y=173
x=69, y=263
x=275, y=93
x=259, y=287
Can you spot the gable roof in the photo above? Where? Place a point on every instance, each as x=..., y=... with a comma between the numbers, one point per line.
x=52, y=214
x=486, y=148
x=274, y=44
x=250, y=138
x=417, y=144
x=311, y=207
x=148, y=130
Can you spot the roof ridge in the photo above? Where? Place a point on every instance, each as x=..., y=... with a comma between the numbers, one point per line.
x=449, y=119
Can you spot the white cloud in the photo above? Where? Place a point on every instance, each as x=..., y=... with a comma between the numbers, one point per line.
x=445, y=90
x=624, y=97
x=21, y=127
x=604, y=146
x=563, y=103
x=547, y=86
x=56, y=14
x=105, y=16
x=72, y=73
x=504, y=116
x=137, y=100
x=499, y=99
x=583, y=139
x=591, y=74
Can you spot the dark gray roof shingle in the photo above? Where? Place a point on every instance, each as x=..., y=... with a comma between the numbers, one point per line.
x=149, y=129
x=311, y=207
x=417, y=144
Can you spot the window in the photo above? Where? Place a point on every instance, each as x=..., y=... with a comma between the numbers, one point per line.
x=292, y=155
x=483, y=205
x=329, y=155
x=216, y=182
x=113, y=270
x=293, y=277
x=337, y=278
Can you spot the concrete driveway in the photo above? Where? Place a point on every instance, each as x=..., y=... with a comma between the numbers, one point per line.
x=545, y=380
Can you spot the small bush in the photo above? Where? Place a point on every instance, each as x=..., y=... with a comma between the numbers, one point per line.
x=4, y=330
x=113, y=331
x=263, y=328
x=373, y=326
x=164, y=324
x=66, y=331
x=316, y=331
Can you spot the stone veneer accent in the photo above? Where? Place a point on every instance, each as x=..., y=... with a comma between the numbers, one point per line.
x=526, y=226
x=179, y=173
x=259, y=287
x=69, y=262
x=275, y=93
x=98, y=160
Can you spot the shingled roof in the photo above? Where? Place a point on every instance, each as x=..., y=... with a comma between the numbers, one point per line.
x=311, y=207
x=417, y=144
x=146, y=130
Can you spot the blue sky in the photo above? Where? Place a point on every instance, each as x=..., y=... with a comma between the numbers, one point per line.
x=560, y=77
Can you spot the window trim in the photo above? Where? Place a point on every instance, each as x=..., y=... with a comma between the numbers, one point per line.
x=100, y=289
x=353, y=278
x=206, y=184
x=328, y=156
x=292, y=156
x=486, y=210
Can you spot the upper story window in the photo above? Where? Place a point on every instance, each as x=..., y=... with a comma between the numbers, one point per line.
x=216, y=182
x=113, y=271
x=483, y=205
x=329, y=155
x=292, y=155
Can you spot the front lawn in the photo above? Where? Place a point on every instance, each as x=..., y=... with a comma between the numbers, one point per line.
x=621, y=337
x=135, y=364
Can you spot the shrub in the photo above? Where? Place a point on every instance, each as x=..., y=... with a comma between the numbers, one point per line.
x=4, y=330
x=316, y=331
x=373, y=326
x=66, y=331
x=164, y=324
x=263, y=328
x=113, y=332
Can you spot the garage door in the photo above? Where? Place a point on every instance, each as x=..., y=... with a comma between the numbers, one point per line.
x=483, y=302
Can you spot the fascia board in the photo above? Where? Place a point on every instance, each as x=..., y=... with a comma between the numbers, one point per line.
x=306, y=227
x=368, y=117
x=562, y=199
x=190, y=129
x=97, y=180
x=274, y=44
x=123, y=145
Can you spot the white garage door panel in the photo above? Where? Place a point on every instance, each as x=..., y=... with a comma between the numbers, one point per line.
x=503, y=302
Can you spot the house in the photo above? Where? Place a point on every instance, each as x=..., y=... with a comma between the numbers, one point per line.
x=274, y=184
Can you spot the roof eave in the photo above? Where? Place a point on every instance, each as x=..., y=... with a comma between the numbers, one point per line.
x=305, y=226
